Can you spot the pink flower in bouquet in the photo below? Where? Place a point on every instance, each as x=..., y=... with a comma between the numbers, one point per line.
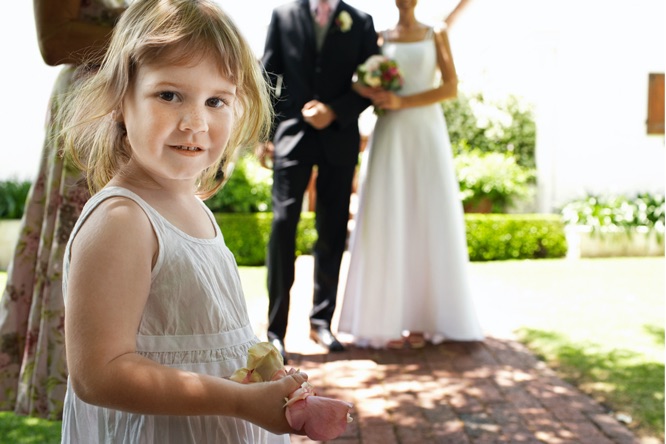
x=319, y=417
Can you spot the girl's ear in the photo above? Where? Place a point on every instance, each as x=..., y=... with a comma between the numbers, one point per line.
x=117, y=115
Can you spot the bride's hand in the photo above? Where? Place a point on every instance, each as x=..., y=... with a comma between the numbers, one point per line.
x=387, y=100
x=365, y=91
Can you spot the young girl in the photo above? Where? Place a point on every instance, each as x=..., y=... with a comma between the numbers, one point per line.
x=155, y=319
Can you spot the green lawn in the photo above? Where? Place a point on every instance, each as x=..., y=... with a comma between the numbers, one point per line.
x=598, y=322
x=25, y=430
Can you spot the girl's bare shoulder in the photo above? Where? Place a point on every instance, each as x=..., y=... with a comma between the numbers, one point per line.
x=117, y=222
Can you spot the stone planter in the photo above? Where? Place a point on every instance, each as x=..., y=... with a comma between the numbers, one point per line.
x=9, y=232
x=583, y=242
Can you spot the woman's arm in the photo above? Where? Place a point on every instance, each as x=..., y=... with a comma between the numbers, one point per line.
x=447, y=89
x=63, y=38
x=109, y=282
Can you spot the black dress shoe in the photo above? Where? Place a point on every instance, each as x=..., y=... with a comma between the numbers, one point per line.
x=279, y=344
x=324, y=337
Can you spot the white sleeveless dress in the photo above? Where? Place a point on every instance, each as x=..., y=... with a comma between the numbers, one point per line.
x=195, y=319
x=408, y=268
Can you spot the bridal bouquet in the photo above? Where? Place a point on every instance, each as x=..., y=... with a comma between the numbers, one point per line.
x=380, y=71
x=322, y=419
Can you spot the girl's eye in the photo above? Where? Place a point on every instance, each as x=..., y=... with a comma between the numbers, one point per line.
x=215, y=102
x=168, y=96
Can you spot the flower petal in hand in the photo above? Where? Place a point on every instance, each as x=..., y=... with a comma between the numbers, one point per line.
x=321, y=418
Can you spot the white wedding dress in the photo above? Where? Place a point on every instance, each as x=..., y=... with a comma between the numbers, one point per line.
x=408, y=268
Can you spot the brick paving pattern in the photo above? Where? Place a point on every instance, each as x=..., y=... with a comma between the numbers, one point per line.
x=457, y=393
x=493, y=391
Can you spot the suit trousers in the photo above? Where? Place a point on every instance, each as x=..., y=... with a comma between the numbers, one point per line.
x=333, y=187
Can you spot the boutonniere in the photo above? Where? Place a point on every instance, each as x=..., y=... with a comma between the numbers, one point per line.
x=344, y=21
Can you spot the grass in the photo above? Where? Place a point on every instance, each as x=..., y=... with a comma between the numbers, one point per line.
x=17, y=429
x=599, y=323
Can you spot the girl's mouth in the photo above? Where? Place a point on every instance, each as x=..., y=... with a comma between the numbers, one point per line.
x=187, y=148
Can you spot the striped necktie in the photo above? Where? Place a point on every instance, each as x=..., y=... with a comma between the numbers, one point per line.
x=323, y=11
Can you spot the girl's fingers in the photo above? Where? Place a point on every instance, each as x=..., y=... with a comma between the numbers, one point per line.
x=300, y=378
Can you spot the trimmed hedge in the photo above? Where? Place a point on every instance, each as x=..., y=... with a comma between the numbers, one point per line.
x=489, y=236
x=13, y=196
x=246, y=235
x=492, y=237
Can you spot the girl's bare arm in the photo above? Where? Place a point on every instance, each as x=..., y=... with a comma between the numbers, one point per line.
x=109, y=282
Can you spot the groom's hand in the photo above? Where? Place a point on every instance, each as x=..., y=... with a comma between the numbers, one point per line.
x=317, y=114
x=265, y=153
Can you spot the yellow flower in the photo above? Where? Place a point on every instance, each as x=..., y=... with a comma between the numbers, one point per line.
x=264, y=363
x=344, y=21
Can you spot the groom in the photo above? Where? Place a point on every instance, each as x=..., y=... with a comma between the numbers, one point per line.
x=312, y=50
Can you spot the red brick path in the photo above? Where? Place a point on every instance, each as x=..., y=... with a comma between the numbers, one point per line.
x=457, y=393
x=494, y=391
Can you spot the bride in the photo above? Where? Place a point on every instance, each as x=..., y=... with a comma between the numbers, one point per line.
x=408, y=279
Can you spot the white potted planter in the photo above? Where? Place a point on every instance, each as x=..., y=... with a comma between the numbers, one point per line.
x=9, y=233
x=583, y=241
x=13, y=195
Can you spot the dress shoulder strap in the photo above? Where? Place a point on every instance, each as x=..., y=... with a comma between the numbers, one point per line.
x=385, y=36
x=430, y=32
x=106, y=193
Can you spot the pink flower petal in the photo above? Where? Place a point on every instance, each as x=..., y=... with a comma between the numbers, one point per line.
x=306, y=389
x=320, y=418
x=296, y=414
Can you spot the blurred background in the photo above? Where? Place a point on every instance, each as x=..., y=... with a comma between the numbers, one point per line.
x=588, y=70
x=28, y=80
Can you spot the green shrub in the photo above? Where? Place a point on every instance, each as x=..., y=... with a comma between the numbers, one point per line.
x=493, y=237
x=247, y=234
x=617, y=213
x=493, y=176
x=489, y=236
x=500, y=126
x=248, y=189
x=13, y=196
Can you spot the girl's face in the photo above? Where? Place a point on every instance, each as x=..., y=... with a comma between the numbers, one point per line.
x=178, y=118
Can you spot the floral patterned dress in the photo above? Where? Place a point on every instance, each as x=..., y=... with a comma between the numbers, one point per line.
x=33, y=370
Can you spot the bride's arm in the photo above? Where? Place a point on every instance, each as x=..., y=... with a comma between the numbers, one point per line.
x=448, y=88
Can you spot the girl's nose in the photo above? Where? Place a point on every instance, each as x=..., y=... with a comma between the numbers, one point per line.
x=194, y=120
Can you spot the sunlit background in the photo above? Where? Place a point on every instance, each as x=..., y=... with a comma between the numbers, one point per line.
x=584, y=65
x=27, y=81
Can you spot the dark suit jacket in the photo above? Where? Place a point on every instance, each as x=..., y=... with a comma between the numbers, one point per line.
x=291, y=54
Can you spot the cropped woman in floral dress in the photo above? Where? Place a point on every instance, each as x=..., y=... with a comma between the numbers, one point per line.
x=33, y=373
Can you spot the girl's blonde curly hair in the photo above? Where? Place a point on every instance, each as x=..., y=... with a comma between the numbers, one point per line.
x=171, y=31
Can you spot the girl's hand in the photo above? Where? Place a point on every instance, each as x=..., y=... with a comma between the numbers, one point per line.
x=265, y=405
